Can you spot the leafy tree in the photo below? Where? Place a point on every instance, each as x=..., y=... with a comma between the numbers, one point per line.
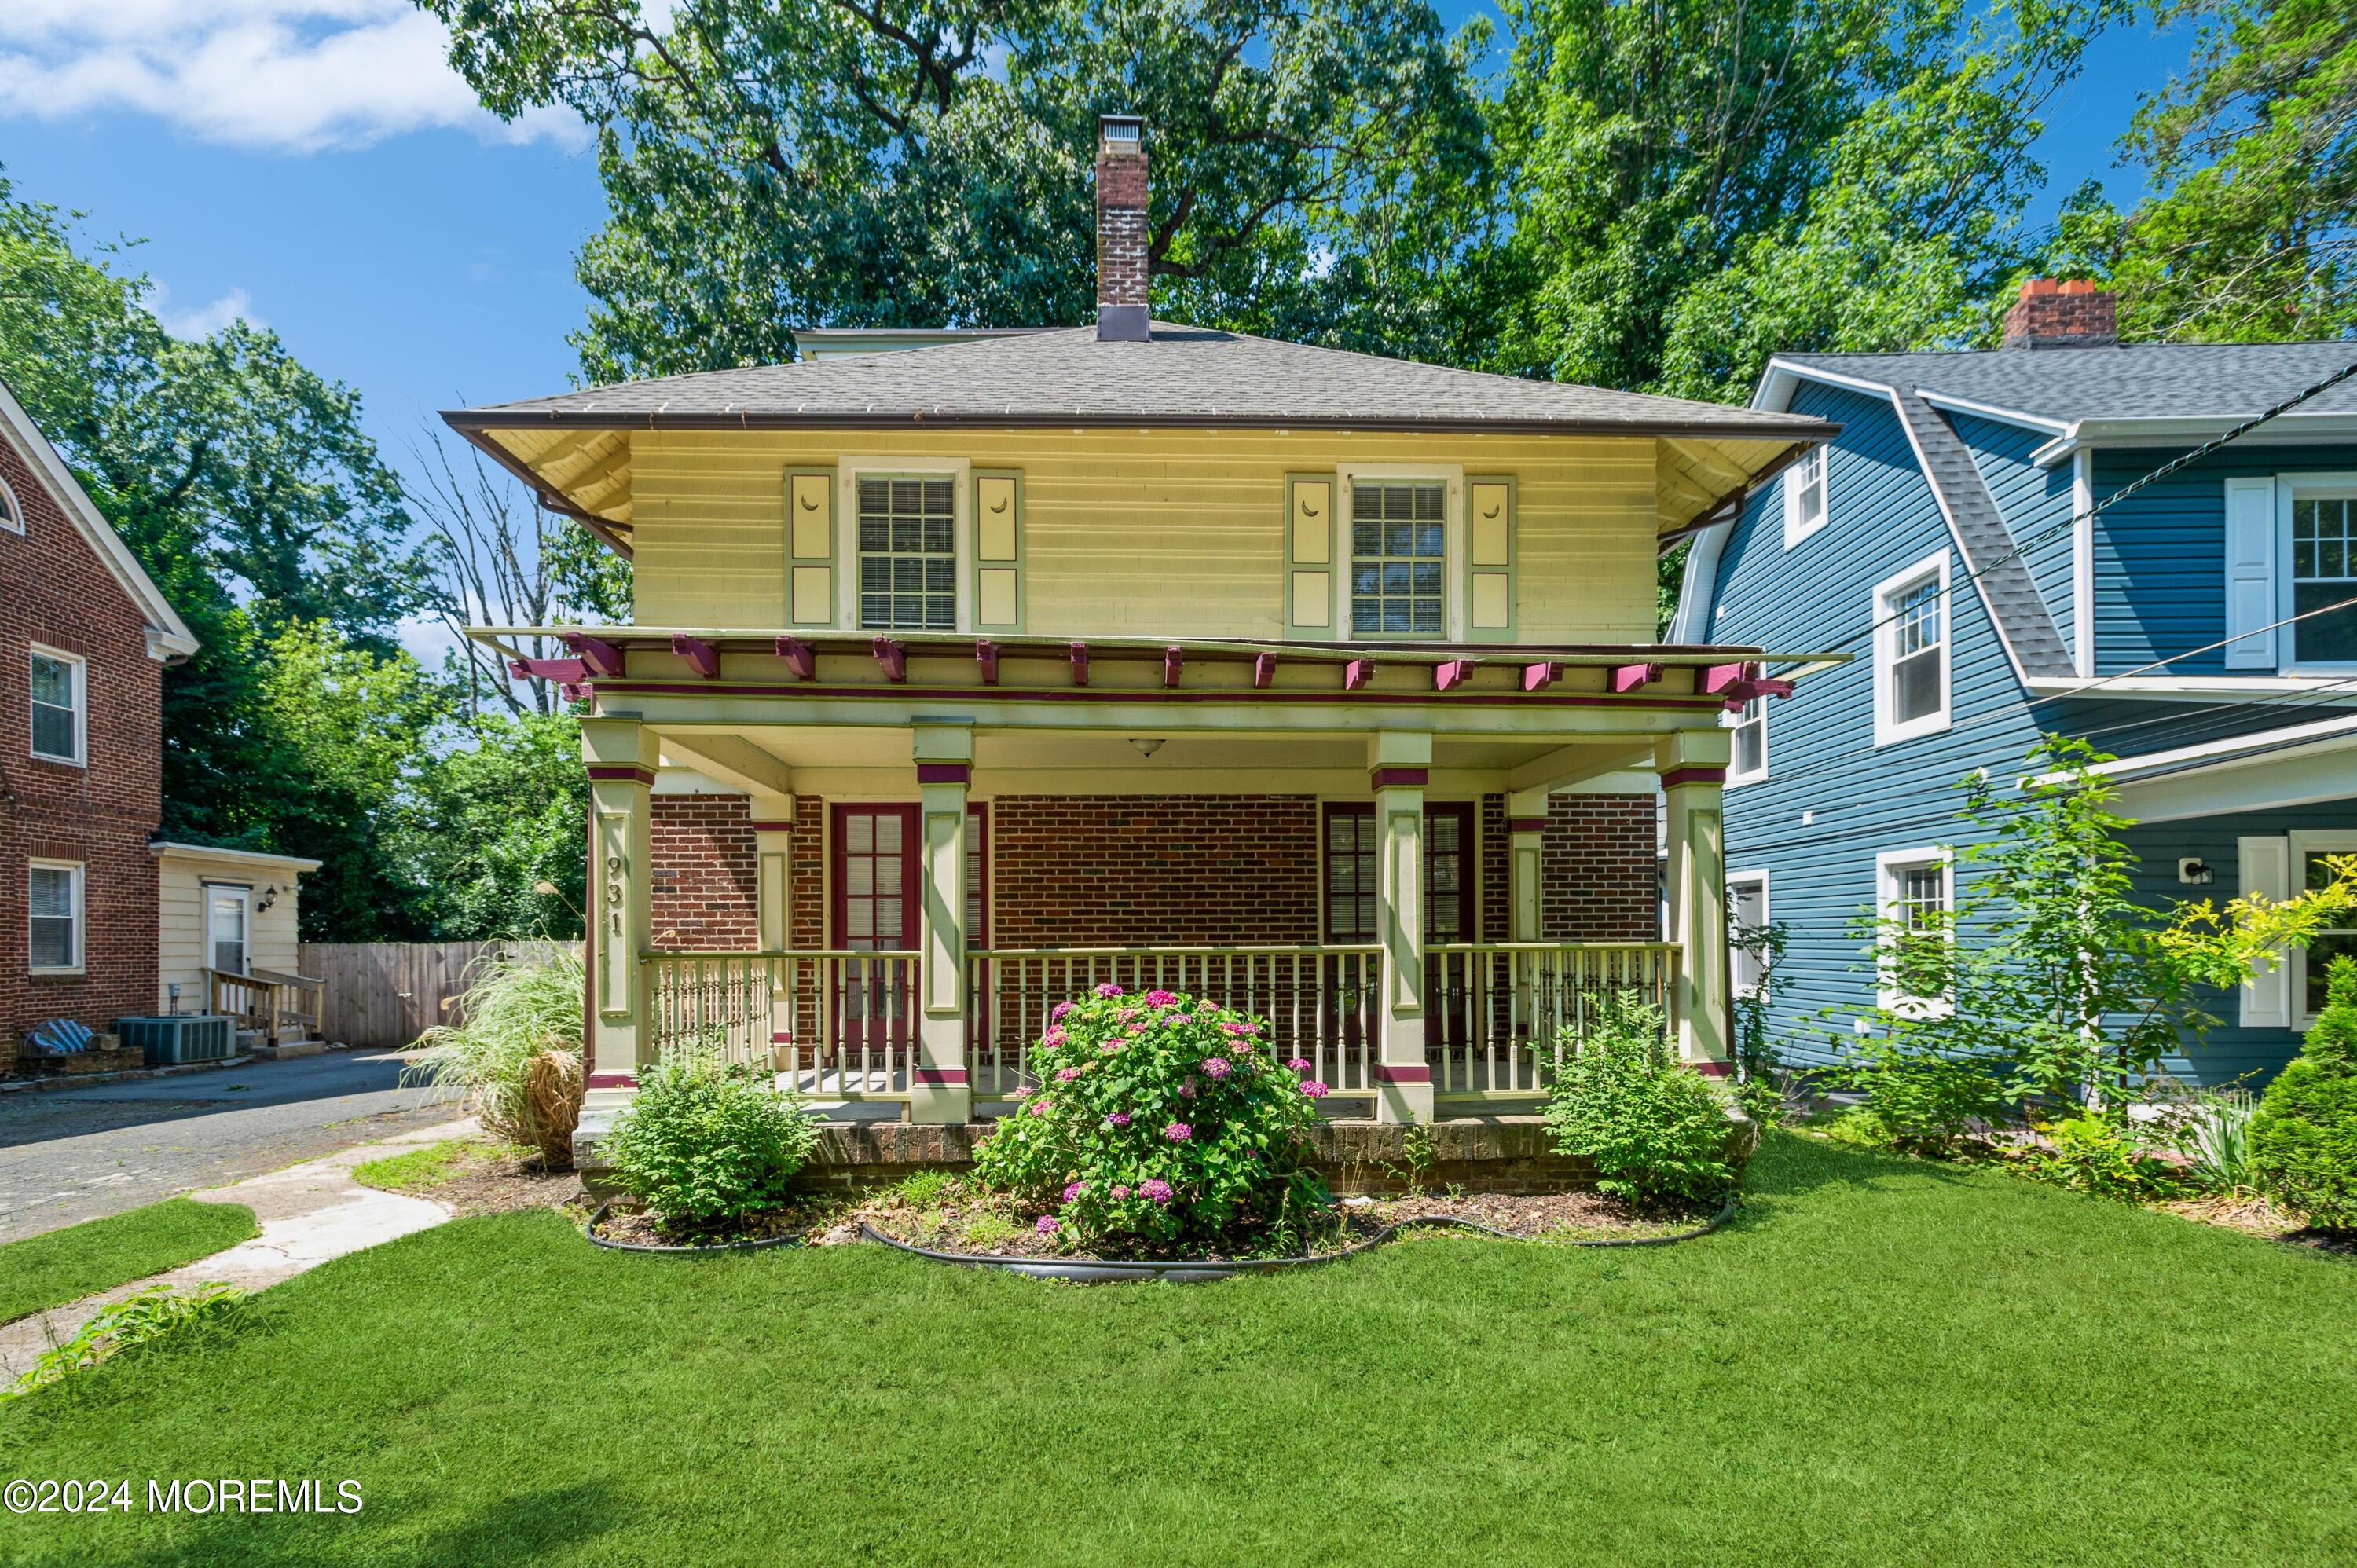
x=775, y=164
x=485, y=825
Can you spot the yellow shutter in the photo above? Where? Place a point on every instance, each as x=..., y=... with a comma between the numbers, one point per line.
x=1489, y=558
x=1309, y=556
x=998, y=551
x=809, y=546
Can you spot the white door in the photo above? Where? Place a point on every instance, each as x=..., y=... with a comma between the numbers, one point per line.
x=226, y=923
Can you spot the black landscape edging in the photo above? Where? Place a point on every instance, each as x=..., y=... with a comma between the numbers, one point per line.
x=590, y=1231
x=1192, y=1271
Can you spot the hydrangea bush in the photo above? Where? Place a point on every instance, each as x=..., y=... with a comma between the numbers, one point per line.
x=1161, y=1123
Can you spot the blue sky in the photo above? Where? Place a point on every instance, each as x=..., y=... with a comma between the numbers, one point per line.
x=313, y=165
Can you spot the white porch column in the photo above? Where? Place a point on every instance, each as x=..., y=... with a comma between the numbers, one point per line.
x=1692, y=766
x=939, y=1088
x=619, y=754
x=774, y=844
x=1526, y=813
x=1401, y=762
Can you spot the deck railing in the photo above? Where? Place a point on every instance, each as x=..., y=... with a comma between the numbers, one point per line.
x=1494, y=1010
x=282, y=1007
x=837, y=1025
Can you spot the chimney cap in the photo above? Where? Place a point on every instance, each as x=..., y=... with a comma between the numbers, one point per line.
x=1121, y=132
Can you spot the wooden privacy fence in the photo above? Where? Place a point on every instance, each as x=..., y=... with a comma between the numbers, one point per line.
x=382, y=995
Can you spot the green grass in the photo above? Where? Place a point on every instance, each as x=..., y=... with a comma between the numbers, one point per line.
x=427, y=1166
x=59, y=1266
x=1879, y=1362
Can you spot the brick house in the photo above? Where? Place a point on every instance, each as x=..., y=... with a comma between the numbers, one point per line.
x=85, y=637
x=977, y=669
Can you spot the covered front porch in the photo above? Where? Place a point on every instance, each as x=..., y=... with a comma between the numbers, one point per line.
x=877, y=865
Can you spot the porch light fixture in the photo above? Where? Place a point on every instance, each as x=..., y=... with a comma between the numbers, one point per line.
x=269, y=896
x=1147, y=745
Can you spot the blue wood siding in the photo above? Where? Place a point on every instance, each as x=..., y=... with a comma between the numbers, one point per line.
x=2036, y=503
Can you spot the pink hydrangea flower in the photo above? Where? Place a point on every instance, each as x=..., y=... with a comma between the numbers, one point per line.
x=1119, y=1193
x=1153, y=1189
x=1039, y=1107
x=1047, y=1225
x=1074, y=1190
x=1216, y=1067
x=1118, y=1118
x=1067, y=1074
x=1244, y=1030
x=1299, y=1064
x=1161, y=999
x=1109, y=1048
x=1312, y=1088
x=1054, y=1037
x=1134, y=1031
x=1108, y=989
x=1124, y=1015
x=1057, y=1015
x=1178, y=1132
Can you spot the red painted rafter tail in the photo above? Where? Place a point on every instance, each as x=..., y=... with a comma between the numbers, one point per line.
x=1079, y=664
x=602, y=657
x=1719, y=678
x=1538, y=677
x=985, y=654
x=1264, y=670
x=893, y=658
x=1628, y=678
x=1450, y=674
x=701, y=656
x=798, y=658
x=1357, y=673
x=1174, y=663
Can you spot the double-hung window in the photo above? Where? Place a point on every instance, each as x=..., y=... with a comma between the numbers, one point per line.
x=2323, y=574
x=53, y=889
x=2312, y=853
x=1804, y=496
x=59, y=687
x=1749, y=723
x=12, y=516
x=1916, y=894
x=1399, y=557
x=908, y=554
x=1910, y=652
x=1747, y=929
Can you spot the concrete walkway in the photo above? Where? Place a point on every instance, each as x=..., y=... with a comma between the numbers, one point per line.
x=308, y=1214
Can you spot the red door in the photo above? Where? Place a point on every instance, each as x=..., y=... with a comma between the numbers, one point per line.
x=875, y=911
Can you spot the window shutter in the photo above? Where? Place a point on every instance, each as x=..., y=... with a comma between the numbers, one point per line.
x=1310, y=563
x=1489, y=558
x=2265, y=870
x=997, y=550
x=809, y=546
x=2250, y=573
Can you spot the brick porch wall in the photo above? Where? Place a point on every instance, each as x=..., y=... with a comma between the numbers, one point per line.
x=1598, y=877
x=702, y=882
x=1132, y=870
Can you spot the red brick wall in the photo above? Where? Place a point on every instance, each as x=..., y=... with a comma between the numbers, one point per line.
x=1497, y=872
x=57, y=591
x=703, y=886
x=1598, y=880
x=1126, y=869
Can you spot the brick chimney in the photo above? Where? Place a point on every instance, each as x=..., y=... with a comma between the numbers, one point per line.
x=2056, y=315
x=1121, y=228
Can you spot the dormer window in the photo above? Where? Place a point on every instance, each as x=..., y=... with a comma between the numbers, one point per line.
x=1804, y=496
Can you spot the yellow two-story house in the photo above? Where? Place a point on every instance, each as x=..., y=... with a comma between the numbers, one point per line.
x=967, y=675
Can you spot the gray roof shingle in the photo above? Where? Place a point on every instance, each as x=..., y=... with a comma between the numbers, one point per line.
x=2143, y=380
x=1186, y=375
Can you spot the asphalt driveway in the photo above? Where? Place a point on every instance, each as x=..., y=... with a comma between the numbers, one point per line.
x=71, y=1154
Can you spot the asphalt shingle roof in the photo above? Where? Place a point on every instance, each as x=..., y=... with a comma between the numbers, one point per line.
x=2145, y=381
x=1183, y=375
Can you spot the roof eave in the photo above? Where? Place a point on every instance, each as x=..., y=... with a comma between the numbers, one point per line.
x=468, y=422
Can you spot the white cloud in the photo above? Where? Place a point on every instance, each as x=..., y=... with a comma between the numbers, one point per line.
x=205, y=319
x=282, y=75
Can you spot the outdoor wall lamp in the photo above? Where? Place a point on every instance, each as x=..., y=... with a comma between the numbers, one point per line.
x=269, y=896
x=1146, y=746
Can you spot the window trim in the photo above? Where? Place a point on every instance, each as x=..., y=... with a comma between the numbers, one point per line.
x=1820, y=457
x=2289, y=490
x=1735, y=879
x=849, y=471
x=1886, y=732
x=12, y=510
x=81, y=668
x=1733, y=724
x=1456, y=579
x=1887, y=865
x=2305, y=842
x=78, y=871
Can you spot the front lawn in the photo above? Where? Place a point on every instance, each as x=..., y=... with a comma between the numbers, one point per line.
x=1879, y=1362
x=63, y=1265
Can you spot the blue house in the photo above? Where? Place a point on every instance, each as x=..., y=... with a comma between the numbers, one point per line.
x=2193, y=629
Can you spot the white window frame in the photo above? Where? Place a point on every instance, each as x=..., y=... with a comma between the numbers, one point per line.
x=849, y=471
x=1735, y=957
x=1890, y=867
x=1735, y=722
x=245, y=891
x=12, y=512
x=1886, y=648
x=1456, y=584
x=1812, y=469
x=2290, y=488
x=2303, y=844
x=81, y=668
x=74, y=868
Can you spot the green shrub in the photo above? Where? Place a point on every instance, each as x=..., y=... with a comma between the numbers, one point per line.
x=2216, y=1135
x=516, y=1059
x=138, y=1318
x=2304, y=1140
x=2091, y=1154
x=1918, y=1099
x=1162, y=1122
x=1653, y=1127
x=705, y=1142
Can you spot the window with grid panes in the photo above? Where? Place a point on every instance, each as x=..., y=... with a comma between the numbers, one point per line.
x=1399, y=566
x=2323, y=573
x=1918, y=896
x=2336, y=941
x=1353, y=867
x=1915, y=653
x=907, y=554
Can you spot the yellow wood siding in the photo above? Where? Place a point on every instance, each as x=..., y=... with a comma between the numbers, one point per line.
x=1148, y=532
x=180, y=908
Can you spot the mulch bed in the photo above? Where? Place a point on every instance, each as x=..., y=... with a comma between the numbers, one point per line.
x=2255, y=1216
x=802, y=1221
x=503, y=1184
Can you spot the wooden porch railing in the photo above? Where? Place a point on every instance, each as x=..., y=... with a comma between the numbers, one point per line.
x=1493, y=1010
x=1320, y=1001
x=282, y=1006
x=837, y=1025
